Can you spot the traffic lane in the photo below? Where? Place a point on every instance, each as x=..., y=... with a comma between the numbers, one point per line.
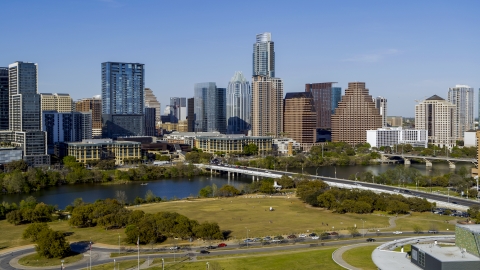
x=6, y=258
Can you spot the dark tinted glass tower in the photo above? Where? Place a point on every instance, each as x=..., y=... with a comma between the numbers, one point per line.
x=123, y=99
x=210, y=108
x=4, y=98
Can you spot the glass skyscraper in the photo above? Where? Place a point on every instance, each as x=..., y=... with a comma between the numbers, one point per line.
x=239, y=98
x=210, y=109
x=4, y=100
x=123, y=99
x=336, y=97
x=264, y=56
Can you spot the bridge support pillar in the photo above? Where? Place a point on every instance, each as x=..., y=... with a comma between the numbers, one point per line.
x=406, y=161
x=228, y=175
x=428, y=163
x=451, y=165
x=253, y=178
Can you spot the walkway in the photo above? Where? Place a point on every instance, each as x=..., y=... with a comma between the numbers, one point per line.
x=337, y=255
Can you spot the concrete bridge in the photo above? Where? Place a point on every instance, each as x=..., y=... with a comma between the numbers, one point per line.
x=235, y=171
x=428, y=159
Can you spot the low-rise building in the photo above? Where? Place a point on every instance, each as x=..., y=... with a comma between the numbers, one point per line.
x=97, y=149
x=232, y=143
x=470, y=138
x=394, y=136
x=285, y=146
x=9, y=154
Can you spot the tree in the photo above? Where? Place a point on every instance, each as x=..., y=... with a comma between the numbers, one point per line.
x=149, y=196
x=267, y=187
x=52, y=244
x=121, y=197
x=228, y=191
x=353, y=231
x=286, y=182
x=250, y=149
x=208, y=230
x=33, y=230
x=14, y=217
x=206, y=192
x=417, y=229
x=306, y=188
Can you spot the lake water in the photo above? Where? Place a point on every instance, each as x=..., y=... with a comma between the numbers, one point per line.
x=184, y=187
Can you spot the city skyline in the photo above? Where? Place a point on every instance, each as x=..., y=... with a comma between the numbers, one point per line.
x=404, y=51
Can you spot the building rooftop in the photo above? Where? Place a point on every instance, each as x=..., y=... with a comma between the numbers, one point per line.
x=472, y=227
x=447, y=253
x=435, y=97
x=298, y=95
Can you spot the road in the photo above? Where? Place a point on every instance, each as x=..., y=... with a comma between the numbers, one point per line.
x=102, y=255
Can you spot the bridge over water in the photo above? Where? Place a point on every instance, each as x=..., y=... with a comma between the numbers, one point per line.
x=428, y=159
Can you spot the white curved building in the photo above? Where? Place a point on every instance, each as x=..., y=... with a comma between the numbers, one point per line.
x=239, y=96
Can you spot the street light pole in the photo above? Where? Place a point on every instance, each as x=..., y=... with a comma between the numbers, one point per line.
x=114, y=264
x=316, y=172
x=335, y=172
x=118, y=243
x=356, y=178
x=247, y=237
x=363, y=228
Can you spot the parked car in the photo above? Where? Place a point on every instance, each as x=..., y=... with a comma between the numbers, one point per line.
x=292, y=236
x=267, y=238
x=248, y=240
x=370, y=240
x=312, y=234
x=302, y=235
x=432, y=231
x=316, y=237
x=256, y=239
x=203, y=251
x=222, y=245
x=333, y=233
x=397, y=232
x=210, y=247
x=175, y=248
x=276, y=241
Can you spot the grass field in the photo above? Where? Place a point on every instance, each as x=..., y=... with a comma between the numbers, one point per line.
x=123, y=265
x=34, y=260
x=311, y=259
x=239, y=215
x=360, y=257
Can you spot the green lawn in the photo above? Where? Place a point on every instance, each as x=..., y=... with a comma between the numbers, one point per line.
x=123, y=265
x=425, y=221
x=360, y=257
x=34, y=260
x=311, y=259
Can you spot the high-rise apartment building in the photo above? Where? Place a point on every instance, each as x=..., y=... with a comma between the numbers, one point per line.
x=381, y=105
x=462, y=96
x=24, y=114
x=267, y=106
x=356, y=113
x=178, y=108
x=4, y=103
x=299, y=117
x=336, y=97
x=191, y=115
x=323, y=98
x=439, y=118
x=210, y=107
x=264, y=56
x=66, y=127
x=93, y=105
x=239, y=98
x=56, y=102
x=152, y=102
x=123, y=99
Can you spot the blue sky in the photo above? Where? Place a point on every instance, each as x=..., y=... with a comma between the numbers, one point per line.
x=403, y=50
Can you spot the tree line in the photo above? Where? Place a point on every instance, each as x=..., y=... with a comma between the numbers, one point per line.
x=19, y=178
x=28, y=211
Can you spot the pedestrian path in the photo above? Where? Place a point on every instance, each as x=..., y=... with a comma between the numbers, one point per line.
x=337, y=255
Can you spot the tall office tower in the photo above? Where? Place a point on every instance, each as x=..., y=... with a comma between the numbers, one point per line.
x=439, y=118
x=4, y=98
x=191, y=115
x=93, y=105
x=123, y=99
x=336, y=97
x=462, y=96
x=178, y=107
x=356, y=113
x=299, y=117
x=381, y=105
x=239, y=99
x=322, y=96
x=24, y=113
x=152, y=102
x=210, y=107
x=267, y=106
x=264, y=56
x=56, y=102
x=66, y=127
x=150, y=121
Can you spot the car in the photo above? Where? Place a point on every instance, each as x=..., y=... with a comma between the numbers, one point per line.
x=256, y=239
x=292, y=236
x=222, y=245
x=397, y=232
x=432, y=231
x=302, y=235
x=315, y=237
x=267, y=238
x=396, y=190
x=312, y=234
x=248, y=240
x=333, y=233
x=267, y=171
x=203, y=251
x=370, y=240
x=455, y=202
x=276, y=241
x=175, y=248
x=210, y=247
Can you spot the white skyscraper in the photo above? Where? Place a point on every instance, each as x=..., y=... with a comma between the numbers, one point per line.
x=381, y=105
x=264, y=56
x=239, y=98
x=462, y=97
